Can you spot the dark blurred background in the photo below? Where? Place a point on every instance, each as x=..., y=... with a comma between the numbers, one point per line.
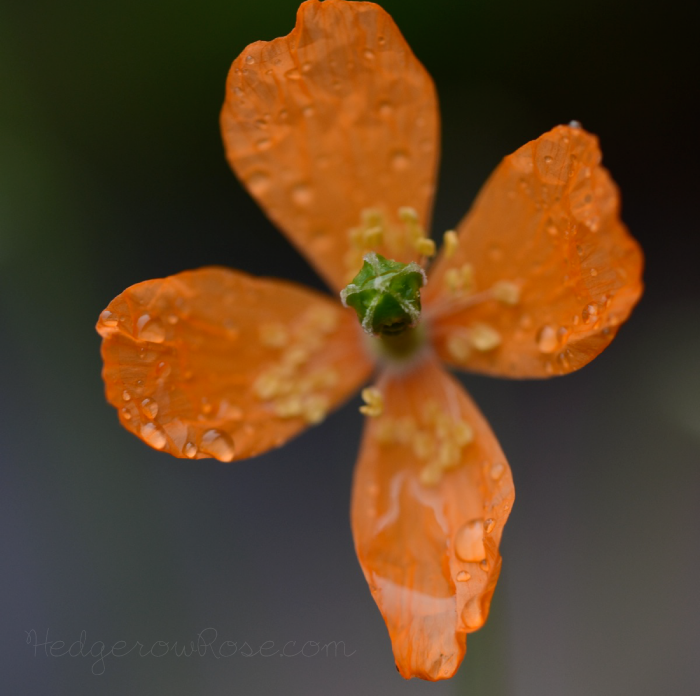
x=112, y=172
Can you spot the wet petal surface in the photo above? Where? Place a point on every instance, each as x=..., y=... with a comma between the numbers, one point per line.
x=336, y=119
x=545, y=267
x=216, y=363
x=431, y=494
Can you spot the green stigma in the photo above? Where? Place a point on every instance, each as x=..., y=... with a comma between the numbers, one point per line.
x=386, y=295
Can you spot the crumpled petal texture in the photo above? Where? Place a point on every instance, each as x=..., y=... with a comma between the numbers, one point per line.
x=547, y=220
x=335, y=118
x=216, y=363
x=427, y=536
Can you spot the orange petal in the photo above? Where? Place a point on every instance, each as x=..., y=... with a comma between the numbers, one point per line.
x=546, y=227
x=216, y=363
x=335, y=118
x=431, y=495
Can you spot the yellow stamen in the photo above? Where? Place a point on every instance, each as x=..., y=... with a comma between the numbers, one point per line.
x=459, y=347
x=484, y=338
x=374, y=402
x=425, y=246
x=506, y=292
x=273, y=335
x=450, y=243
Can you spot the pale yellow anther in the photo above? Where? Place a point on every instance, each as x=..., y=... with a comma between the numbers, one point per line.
x=266, y=386
x=431, y=474
x=385, y=431
x=373, y=237
x=295, y=356
x=450, y=243
x=315, y=409
x=374, y=402
x=408, y=215
x=506, y=292
x=404, y=430
x=423, y=445
x=289, y=406
x=459, y=347
x=371, y=218
x=449, y=455
x=324, y=319
x=425, y=246
x=463, y=433
x=460, y=279
x=484, y=338
x=273, y=335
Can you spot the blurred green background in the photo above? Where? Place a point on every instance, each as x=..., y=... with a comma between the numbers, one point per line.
x=112, y=172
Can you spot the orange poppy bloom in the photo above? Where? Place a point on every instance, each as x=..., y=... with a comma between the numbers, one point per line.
x=333, y=129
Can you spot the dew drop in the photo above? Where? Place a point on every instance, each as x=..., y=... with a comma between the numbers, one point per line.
x=237, y=91
x=163, y=369
x=249, y=59
x=258, y=183
x=302, y=195
x=548, y=159
x=590, y=313
x=386, y=109
x=496, y=471
x=150, y=329
x=400, y=160
x=126, y=413
x=126, y=395
x=150, y=408
x=484, y=564
x=472, y=616
x=546, y=339
x=308, y=111
x=594, y=272
x=263, y=144
x=293, y=74
x=109, y=319
x=368, y=54
x=489, y=524
x=579, y=249
x=381, y=41
x=153, y=435
x=190, y=450
x=469, y=541
x=217, y=444
x=463, y=576
x=496, y=253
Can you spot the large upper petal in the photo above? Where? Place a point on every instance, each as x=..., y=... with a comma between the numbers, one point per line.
x=216, y=363
x=335, y=118
x=547, y=221
x=431, y=494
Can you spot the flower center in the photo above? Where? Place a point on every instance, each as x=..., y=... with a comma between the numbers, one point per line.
x=386, y=297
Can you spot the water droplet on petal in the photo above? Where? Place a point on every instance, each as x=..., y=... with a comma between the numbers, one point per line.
x=472, y=616
x=484, y=564
x=469, y=541
x=386, y=109
x=548, y=159
x=594, y=272
x=150, y=329
x=109, y=319
x=496, y=471
x=217, y=444
x=249, y=59
x=150, y=408
x=463, y=576
x=263, y=144
x=258, y=183
x=293, y=74
x=153, y=435
x=126, y=395
x=190, y=450
x=400, y=160
x=302, y=195
x=489, y=524
x=308, y=111
x=590, y=313
x=546, y=339
x=368, y=54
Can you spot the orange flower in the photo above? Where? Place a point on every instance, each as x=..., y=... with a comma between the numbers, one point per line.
x=334, y=130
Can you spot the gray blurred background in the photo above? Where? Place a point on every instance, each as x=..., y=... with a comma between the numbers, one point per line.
x=112, y=172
